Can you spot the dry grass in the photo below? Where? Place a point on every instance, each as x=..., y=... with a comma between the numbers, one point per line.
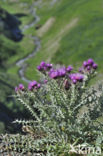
x=45, y=28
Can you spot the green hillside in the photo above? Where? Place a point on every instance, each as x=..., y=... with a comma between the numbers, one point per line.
x=70, y=31
x=75, y=34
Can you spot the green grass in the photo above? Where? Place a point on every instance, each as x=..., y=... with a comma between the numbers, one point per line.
x=76, y=44
x=79, y=43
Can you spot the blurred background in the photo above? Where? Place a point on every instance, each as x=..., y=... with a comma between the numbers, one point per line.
x=57, y=31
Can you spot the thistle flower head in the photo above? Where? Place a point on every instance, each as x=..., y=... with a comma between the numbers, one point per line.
x=39, y=68
x=33, y=85
x=69, y=68
x=42, y=64
x=88, y=68
x=95, y=66
x=89, y=65
x=54, y=74
x=90, y=61
x=16, y=89
x=76, y=77
x=79, y=77
x=85, y=63
x=49, y=65
x=38, y=85
x=62, y=72
x=21, y=86
x=74, y=81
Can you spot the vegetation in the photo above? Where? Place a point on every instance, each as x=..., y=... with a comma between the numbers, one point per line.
x=57, y=123
x=69, y=31
x=77, y=42
x=85, y=32
x=10, y=52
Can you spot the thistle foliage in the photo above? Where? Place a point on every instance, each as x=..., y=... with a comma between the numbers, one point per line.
x=60, y=117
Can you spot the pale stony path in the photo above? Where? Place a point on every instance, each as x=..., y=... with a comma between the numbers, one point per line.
x=45, y=28
x=54, y=44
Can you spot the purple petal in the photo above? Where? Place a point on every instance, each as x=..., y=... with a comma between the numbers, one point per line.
x=38, y=85
x=95, y=66
x=39, y=68
x=49, y=65
x=74, y=81
x=54, y=74
x=90, y=61
x=88, y=68
x=69, y=68
x=16, y=89
x=21, y=86
x=42, y=64
x=33, y=83
x=62, y=71
x=85, y=63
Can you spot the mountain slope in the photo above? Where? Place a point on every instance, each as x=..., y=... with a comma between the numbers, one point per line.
x=61, y=45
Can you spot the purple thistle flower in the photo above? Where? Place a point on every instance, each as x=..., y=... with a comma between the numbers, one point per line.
x=21, y=86
x=38, y=85
x=79, y=77
x=95, y=66
x=49, y=65
x=42, y=64
x=54, y=74
x=74, y=81
x=76, y=76
x=69, y=68
x=88, y=68
x=72, y=76
x=16, y=89
x=39, y=68
x=62, y=71
x=85, y=63
x=90, y=61
x=51, y=70
x=32, y=85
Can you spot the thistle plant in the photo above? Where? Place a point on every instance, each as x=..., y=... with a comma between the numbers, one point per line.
x=64, y=112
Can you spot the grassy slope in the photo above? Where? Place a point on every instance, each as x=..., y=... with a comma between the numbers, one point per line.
x=76, y=44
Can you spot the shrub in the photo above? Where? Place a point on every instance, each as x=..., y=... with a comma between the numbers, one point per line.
x=64, y=112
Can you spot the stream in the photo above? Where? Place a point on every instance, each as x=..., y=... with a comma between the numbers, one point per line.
x=22, y=62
